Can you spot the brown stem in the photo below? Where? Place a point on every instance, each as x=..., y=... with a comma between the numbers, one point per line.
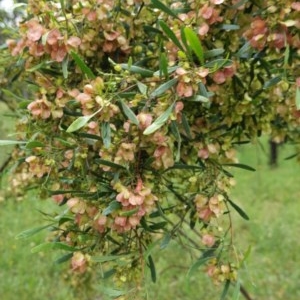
x=5, y=164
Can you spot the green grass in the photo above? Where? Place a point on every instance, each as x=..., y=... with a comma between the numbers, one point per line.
x=269, y=196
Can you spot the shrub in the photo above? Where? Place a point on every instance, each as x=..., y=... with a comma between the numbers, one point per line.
x=135, y=114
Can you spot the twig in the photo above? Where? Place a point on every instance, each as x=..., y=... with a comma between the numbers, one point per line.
x=5, y=163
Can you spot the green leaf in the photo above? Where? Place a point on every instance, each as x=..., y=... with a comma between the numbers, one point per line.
x=160, y=121
x=225, y=290
x=113, y=292
x=244, y=51
x=194, y=42
x=241, y=166
x=34, y=144
x=81, y=64
x=229, y=27
x=163, y=88
x=213, y=52
x=157, y=226
x=239, y=210
x=142, y=88
x=236, y=291
x=106, y=134
x=79, y=123
x=170, y=34
x=30, y=232
x=64, y=258
x=152, y=268
x=163, y=65
x=219, y=63
x=208, y=254
x=9, y=142
x=129, y=113
x=298, y=98
x=272, y=82
x=11, y=94
x=109, y=163
x=176, y=133
x=166, y=240
x=64, y=66
x=128, y=213
x=158, y=4
x=137, y=70
x=52, y=246
x=113, y=206
x=186, y=126
x=105, y=258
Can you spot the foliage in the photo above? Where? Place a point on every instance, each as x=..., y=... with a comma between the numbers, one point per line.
x=137, y=109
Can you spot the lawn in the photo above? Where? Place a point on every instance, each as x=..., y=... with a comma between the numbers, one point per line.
x=269, y=196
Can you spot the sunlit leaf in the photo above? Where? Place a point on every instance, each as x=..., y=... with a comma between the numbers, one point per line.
x=298, y=98
x=79, y=123
x=163, y=65
x=160, y=121
x=9, y=142
x=194, y=42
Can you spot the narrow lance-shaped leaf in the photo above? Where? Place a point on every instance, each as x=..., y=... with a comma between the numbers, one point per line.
x=239, y=210
x=158, y=4
x=152, y=268
x=194, y=43
x=106, y=134
x=298, y=98
x=9, y=142
x=163, y=65
x=163, y=88
x=11, y=94
x=129, y=113
x=82, y=65
x=114, y=205
x=241, y=166
x=225, y=290
x=138, y=70
x=160, y=121
x=52, y=246
x=79, y=123
x=142, y=88
x=170, y=34
x=30, y=232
